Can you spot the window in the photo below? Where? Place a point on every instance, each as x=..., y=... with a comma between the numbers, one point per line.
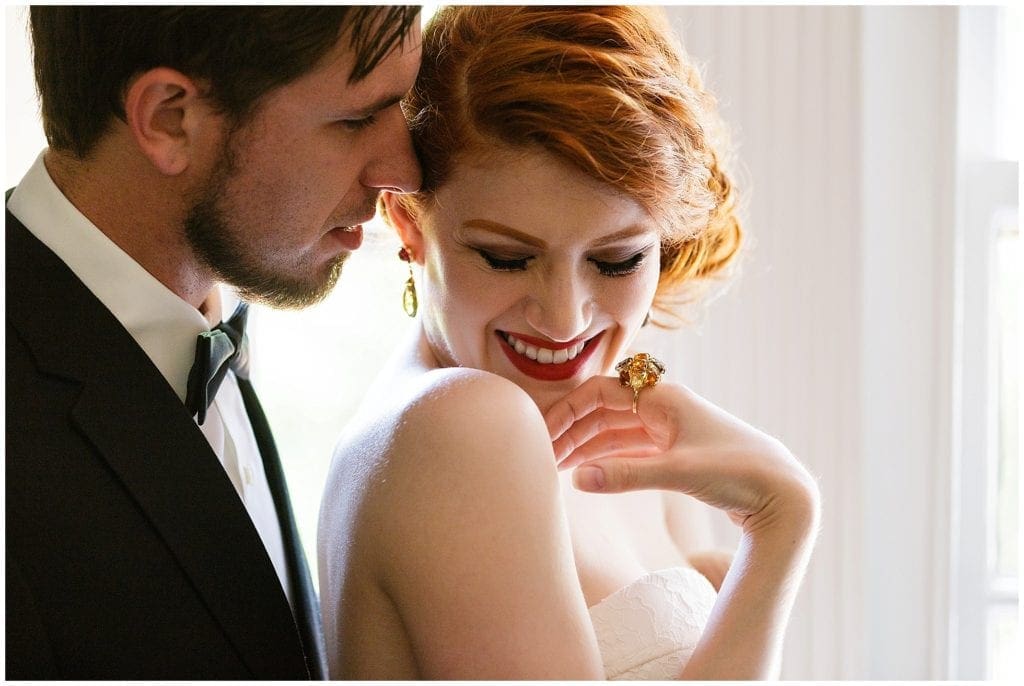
x=987, y=626
x=1003, y=625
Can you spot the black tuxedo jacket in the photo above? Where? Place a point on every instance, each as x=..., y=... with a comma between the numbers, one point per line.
x=129, y=555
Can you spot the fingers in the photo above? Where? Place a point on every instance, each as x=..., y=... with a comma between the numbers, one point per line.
x=619, y=474
x=592, y=424
x=595, y=393
x=630, y=442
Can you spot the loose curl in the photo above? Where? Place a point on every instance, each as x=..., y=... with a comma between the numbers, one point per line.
x=604, y=88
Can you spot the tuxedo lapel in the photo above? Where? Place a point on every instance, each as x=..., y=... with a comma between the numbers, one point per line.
x=140, y=428
x=306, y=605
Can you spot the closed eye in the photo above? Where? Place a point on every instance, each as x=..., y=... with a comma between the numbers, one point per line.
x=623, y=268
x=502, y=264
x=359, y=124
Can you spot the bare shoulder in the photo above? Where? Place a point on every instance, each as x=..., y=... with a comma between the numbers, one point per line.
x=470, y=462
x=445, y=392
x=466, y=428
x=462, y=530
x=421, y=484
x=451, y=440
x=470, y=408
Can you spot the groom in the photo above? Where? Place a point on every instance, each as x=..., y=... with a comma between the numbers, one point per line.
x=148, y=529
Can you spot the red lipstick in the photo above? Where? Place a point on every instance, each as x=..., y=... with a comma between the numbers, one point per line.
x=548, y=372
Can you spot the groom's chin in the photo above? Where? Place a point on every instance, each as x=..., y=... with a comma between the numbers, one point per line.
x=294, y=293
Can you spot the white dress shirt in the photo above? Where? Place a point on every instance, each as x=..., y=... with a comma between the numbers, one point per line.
x=164, y=326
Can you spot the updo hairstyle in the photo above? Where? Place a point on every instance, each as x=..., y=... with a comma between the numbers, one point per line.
x=605, y=89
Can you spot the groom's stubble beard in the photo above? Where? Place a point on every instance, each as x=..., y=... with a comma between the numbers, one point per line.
x=220, y=245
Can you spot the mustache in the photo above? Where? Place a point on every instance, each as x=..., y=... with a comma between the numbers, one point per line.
x=365, y=211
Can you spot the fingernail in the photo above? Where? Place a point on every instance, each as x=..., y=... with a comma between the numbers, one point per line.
x=588, y=478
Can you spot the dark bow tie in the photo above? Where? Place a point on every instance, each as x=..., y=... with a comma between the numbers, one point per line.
x=222, y=348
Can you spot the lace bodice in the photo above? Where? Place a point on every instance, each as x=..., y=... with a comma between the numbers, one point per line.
x=648, y=629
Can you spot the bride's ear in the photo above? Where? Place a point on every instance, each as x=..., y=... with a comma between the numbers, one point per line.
x=406, y=223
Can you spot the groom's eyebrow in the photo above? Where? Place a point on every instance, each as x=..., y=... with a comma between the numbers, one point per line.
x=377, y=106
x=496, y=227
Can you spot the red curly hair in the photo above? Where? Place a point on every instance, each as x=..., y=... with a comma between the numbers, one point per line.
x=606, y=89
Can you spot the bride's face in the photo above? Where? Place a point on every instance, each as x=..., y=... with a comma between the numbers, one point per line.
x=533, y=271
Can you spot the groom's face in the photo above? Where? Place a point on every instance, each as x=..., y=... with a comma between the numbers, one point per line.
x=284, y=204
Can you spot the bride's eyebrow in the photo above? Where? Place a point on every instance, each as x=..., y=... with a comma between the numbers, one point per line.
x=505, y=230
x=624, y=234
x=496, y=227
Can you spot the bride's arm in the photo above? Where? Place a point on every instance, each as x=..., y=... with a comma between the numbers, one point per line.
x=689, y=526
x=475, y=550
x=680, y=441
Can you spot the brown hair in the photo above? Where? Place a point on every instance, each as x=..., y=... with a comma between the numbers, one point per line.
x=604, y=88
x=85, y=57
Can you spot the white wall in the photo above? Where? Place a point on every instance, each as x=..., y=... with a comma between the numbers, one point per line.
x=838, y=337
x=23, y=134
x=782, y=348
x=909, y=173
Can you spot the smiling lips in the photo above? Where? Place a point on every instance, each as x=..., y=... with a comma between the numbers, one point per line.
x=546, y=360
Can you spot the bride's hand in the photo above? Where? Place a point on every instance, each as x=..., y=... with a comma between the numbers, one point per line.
x=679, y=441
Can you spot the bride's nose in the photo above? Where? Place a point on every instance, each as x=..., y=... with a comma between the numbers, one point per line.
x=561, y=308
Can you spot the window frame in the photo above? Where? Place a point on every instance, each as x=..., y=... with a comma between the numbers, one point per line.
x=988, y=189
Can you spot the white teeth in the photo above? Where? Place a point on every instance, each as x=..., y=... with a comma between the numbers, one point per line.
x=544, y=355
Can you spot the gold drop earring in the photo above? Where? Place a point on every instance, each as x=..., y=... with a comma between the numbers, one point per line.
x=409, y=302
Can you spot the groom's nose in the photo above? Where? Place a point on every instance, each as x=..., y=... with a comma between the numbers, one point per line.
x=393, y=166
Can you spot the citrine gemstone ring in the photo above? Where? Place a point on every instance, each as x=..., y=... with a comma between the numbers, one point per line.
x=638, y=372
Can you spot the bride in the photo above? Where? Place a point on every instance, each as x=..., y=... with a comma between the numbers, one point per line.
x=507, y=504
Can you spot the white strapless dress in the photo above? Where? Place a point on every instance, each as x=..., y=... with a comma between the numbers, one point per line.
x=648, y=629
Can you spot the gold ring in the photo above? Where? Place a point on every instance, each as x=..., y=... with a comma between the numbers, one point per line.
x=639, y=372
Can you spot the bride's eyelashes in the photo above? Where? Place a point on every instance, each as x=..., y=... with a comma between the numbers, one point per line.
x=622, y=268
x=611, y=268
x=503, y=264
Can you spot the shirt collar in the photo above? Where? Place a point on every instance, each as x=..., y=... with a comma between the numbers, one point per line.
x=164, y=325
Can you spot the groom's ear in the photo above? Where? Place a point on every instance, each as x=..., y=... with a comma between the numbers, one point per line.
x=169, y=120
x=406, y=223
